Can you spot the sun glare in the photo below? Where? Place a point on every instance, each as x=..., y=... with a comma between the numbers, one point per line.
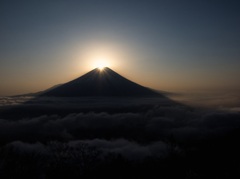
x=101, y=64
x=101, y=67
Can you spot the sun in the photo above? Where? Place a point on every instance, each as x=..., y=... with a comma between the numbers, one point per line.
x=101, y=67
x=101, y=64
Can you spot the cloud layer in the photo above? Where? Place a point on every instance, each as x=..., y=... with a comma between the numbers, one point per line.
x=132, y=128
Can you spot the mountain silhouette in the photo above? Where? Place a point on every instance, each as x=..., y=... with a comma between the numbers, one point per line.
x=37, y=93
x=103, y=82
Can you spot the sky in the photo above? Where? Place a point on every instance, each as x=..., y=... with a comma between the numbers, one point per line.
x=165, y=45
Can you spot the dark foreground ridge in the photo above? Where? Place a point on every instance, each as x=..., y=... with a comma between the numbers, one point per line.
x=103, y=82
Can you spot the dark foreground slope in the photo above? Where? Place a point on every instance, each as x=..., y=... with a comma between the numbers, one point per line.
x=104, y=82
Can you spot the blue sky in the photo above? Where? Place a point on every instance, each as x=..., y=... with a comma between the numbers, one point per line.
x=166, y=45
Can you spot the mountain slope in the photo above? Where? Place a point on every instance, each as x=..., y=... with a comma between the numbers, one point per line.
x=104, y=82
x=38, y=93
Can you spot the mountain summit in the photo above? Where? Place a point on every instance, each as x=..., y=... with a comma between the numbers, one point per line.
x=103, y=82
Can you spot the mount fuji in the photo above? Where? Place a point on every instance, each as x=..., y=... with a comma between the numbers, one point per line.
x=103, y=82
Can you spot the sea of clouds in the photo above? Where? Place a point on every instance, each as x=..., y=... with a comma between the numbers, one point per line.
x=136, y=128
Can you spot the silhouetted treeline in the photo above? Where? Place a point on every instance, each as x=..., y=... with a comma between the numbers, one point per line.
x=209, y=158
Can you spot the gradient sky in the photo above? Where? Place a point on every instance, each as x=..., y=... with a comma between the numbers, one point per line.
x=166, y=45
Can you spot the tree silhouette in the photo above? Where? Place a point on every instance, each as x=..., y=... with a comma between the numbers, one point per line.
x=84, y=157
